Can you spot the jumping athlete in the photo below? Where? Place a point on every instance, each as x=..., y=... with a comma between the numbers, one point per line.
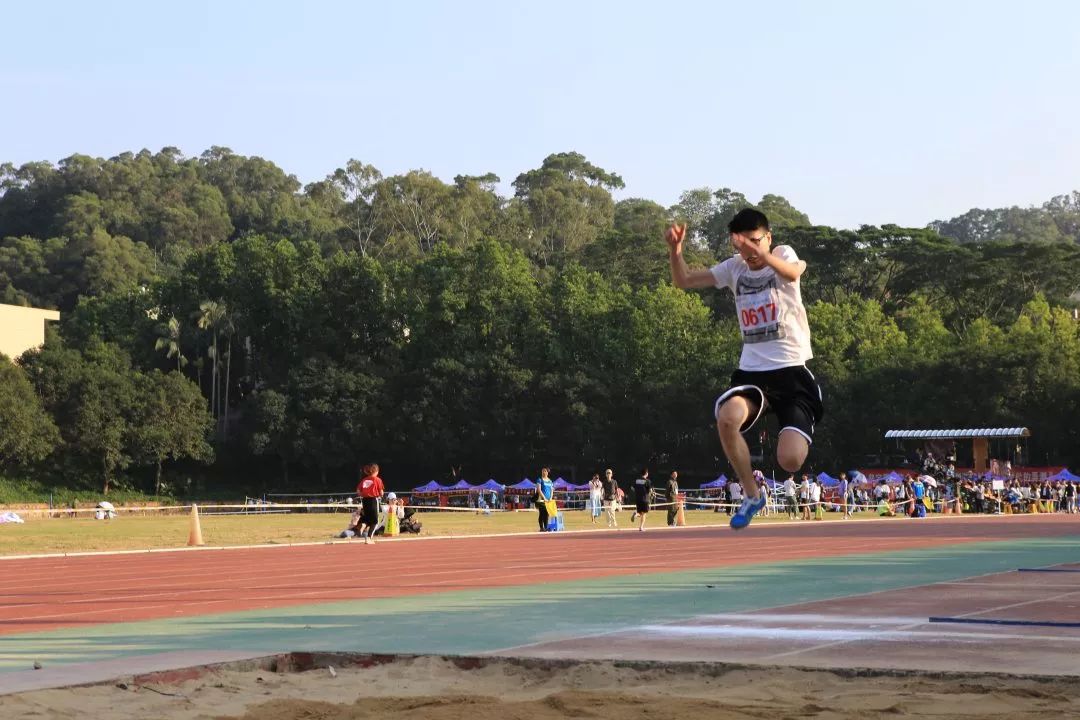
x=772, y=374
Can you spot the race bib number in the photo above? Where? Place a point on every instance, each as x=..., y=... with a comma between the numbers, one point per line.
x=758, y=308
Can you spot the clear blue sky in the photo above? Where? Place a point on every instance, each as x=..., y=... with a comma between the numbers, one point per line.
x=857, y=112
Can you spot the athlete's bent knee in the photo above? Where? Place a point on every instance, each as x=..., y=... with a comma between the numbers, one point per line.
x=730, y=419
x=791, y=451
x=791, y=461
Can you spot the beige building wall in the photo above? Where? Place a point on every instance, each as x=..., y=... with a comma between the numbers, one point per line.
x=22, y=328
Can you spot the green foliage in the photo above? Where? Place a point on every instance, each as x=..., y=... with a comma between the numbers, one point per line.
x=707, y=213
x=213, y=311
x=169, y=422
x=27, y=433
x=93, y=399
x=568, y=203
x=110, y=415
x=1056, y=221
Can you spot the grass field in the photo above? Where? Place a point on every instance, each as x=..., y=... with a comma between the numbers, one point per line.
x=143, y=532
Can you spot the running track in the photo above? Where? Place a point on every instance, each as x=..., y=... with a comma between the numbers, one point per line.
x=52, y=593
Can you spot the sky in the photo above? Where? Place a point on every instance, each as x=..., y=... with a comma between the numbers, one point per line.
x=856, y=112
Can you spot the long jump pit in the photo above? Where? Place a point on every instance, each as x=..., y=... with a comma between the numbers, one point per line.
x=943, y=618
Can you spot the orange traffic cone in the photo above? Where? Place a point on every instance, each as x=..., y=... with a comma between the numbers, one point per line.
x=680, y=516
x=195, y=531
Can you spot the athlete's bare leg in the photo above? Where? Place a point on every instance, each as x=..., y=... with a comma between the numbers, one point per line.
x=791, y=450
x=732, y=414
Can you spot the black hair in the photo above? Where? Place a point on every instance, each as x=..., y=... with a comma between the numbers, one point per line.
x=748, y=219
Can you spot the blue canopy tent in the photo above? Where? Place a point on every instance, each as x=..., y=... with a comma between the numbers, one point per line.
x=1065, y=475
x=461, y=485
x=893, y=477
x=562, y=485
x=826, y=479
x=491, y=485
x=525, y=484
x=717, y=483
x=430, y=487
x=857, y=478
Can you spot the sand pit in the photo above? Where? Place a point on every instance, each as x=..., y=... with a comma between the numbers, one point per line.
x=438, y=689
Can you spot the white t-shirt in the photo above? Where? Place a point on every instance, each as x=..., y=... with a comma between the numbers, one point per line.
x=789, y=487
x=770, y=312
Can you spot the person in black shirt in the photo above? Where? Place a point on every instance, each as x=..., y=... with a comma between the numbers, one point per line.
x=642, y=498
x=611, y=496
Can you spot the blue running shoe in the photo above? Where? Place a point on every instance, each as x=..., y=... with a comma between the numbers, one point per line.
x=747, y=511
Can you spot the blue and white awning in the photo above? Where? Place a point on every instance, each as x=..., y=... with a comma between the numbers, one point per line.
x=958, y=434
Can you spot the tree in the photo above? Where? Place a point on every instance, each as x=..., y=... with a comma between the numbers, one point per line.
x=27, y=433
x=169, y=341
x=694, y=209
x=270, y=295
x=213, y=317
x=260, y=197
x=928, y=338
x=355, y=185
x=170, y=422
x=25, y=273
x=568, y=203
x=475, y=336
x=708, y=214
x=1056, y=221
x=726, y=203
x=1065, y=210
x=415, y=212
x=334, y=409
x=634, y=251
x=272, y=429
x=92, y=397
x=781, y=213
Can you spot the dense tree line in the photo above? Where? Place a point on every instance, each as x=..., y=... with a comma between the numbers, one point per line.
x=222, y=320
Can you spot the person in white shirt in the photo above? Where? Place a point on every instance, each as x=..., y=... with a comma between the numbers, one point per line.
x=596, y=497
x=735, y=488
x=815, y=498
x=789, y=497
x=772, y=374
x=804, y=498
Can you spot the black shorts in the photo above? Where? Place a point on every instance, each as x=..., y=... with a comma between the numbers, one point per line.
x=643, y=507
x=791, y=393
x=370, y=511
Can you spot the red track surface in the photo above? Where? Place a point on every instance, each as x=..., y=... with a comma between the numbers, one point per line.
x=51, y=593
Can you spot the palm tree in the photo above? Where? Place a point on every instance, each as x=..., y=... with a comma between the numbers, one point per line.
x=211, y=316
x=229, y=329
x=169, y=341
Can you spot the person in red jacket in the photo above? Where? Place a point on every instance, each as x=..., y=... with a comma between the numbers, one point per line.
x=370, y=490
